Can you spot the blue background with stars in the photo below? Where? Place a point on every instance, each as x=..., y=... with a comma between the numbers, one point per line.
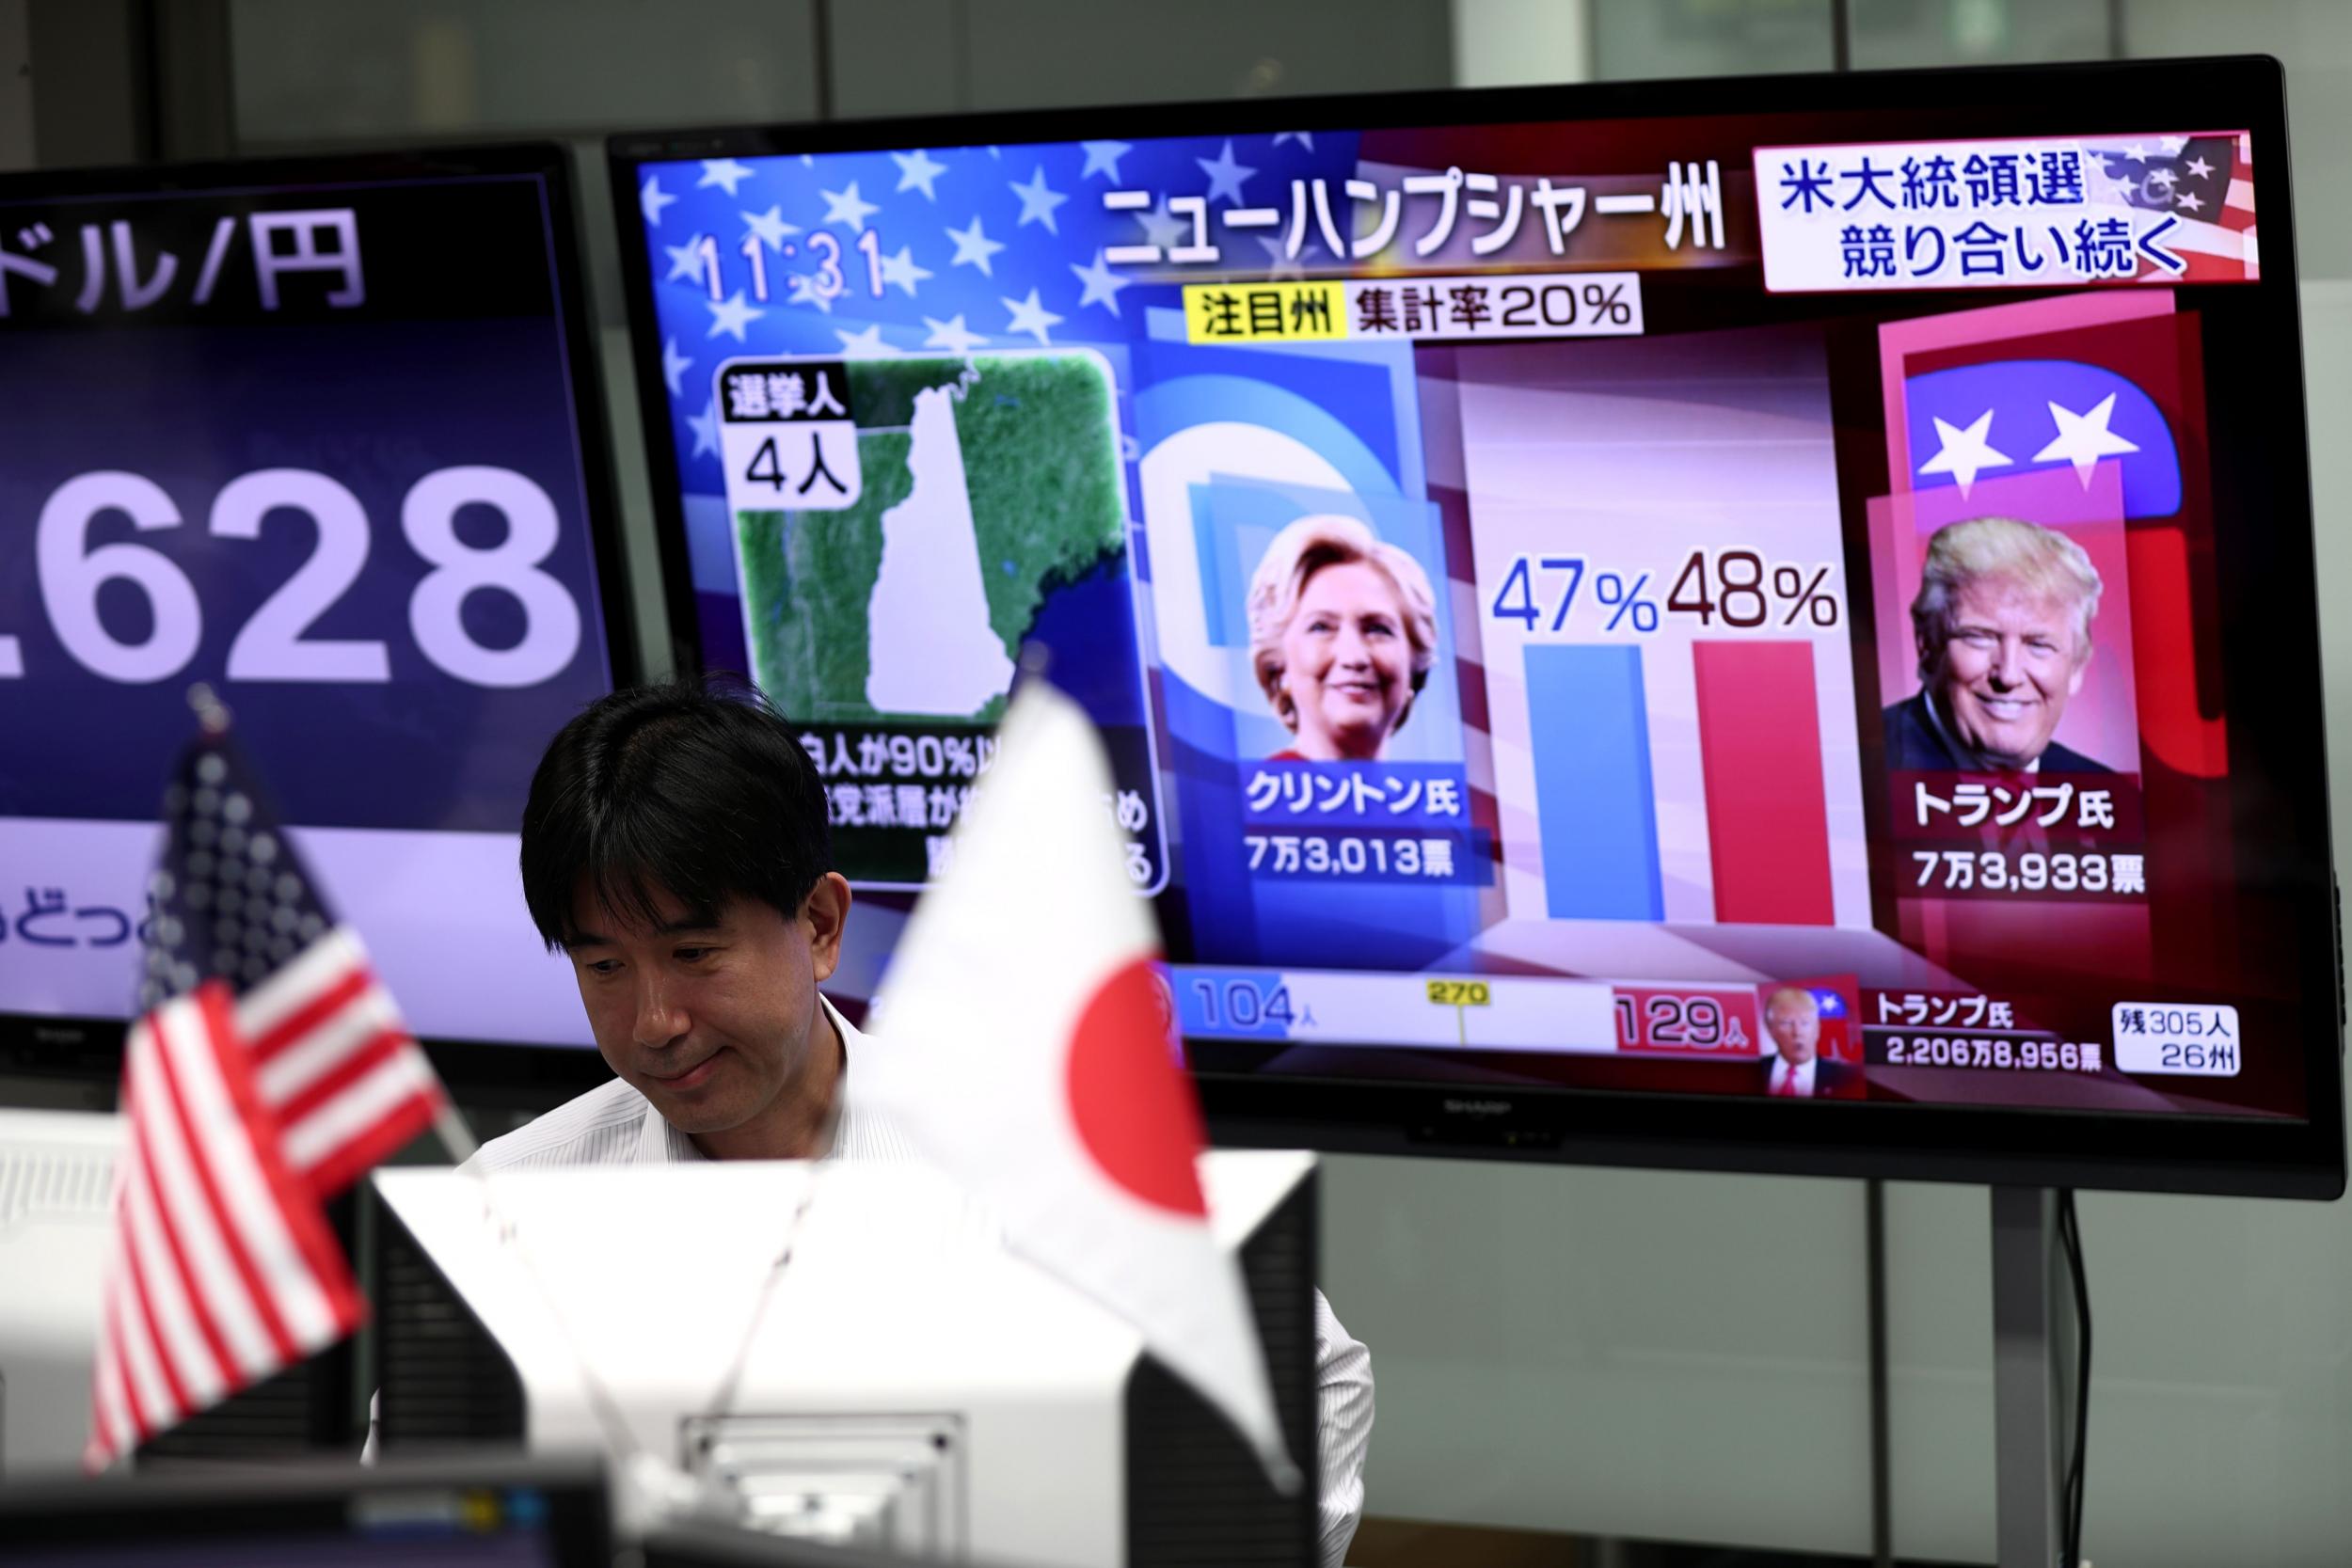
x=979, y=247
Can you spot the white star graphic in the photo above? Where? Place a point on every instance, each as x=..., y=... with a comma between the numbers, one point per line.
x=705, y=428
x=847, y=208
x=1037, y=201
x=1028, y=315
x=2137, y=154
x=1102, y=285
x=802, y=290
x=901, y=269
x=1225, y=175
x=651, y=199
x=2162, y=176
x=1277, y=263
x=974, y=247
x=769, y=226
x=868, y=344
x=2188, y=199
x=2173, y=143
x=1304, y=138
x=1963, y=453
x=2201, y=168
x=1164, y=227
x=917, y=171
x=1102, y=158
x=686, y=261
x=725, y=173
x=2082, y=439
x=674, y=367
x=732, y=315
x=951, y=335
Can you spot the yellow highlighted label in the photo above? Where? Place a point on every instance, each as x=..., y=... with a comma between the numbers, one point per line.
x=1265, y=312
x=1459, y=993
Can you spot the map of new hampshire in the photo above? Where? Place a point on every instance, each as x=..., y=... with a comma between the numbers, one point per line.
x=988, y=481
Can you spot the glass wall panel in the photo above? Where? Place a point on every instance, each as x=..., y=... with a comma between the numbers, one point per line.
x=309, y=74
x=1635, y=39
x=1888, y=34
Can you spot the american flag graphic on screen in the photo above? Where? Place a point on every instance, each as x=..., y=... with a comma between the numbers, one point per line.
x=2206, y=184
x=235, y=910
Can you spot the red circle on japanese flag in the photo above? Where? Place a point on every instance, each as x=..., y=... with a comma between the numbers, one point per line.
x=1134, y=1109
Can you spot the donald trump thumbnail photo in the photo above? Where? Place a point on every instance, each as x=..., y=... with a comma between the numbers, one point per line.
x=1796, y=1070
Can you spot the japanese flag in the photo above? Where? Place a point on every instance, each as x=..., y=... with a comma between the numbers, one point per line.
x=1028, y=1055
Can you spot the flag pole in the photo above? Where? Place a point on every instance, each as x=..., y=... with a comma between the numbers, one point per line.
x=211, y=712
x=456, y=1137
x=455, y=1134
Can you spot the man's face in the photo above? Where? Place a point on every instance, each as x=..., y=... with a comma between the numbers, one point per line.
x=1794, y=1021
x=2004, y=673
x=711, y=1021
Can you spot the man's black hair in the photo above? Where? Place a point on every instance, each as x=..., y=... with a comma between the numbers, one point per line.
x=696, y=787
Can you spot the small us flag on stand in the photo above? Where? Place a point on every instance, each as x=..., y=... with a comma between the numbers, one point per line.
x=268, y=1072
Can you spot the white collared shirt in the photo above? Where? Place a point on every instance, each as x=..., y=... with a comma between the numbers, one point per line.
x=614, y=1125
x=1805, y=1076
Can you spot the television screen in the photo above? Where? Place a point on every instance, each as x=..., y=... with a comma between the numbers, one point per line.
x=315, y=433
x=1762, y=623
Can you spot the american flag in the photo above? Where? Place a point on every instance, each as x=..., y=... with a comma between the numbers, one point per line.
x=268, y=1071
x=235, y=908
x=2206, y=182
x=223, y=1268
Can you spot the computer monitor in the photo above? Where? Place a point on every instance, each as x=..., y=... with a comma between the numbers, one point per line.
x=57, y=1229
x=488, y=1511
x=1750, y=624
x=326, y=434
x=709, y=1543
x=57, y=1225
x=903, y=1383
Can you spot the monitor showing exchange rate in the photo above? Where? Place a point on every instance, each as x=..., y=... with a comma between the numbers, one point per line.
x=310, y=434
x=1725, y=604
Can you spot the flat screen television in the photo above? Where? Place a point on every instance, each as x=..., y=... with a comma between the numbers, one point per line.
x=1763, y=623
x=326, y=436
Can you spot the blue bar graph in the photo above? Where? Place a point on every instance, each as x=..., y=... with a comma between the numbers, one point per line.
x=1588, y=720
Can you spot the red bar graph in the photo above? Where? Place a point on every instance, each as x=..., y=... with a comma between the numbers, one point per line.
x=1761, y=752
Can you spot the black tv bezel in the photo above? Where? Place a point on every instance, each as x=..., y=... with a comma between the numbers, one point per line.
x=2003, y=1146
x=85, y=1053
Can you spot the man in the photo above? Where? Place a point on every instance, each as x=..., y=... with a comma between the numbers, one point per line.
x=675, y=847
x=2002, y=623
x=1795, y=1071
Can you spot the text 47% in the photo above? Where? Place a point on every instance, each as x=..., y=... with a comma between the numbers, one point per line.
x=1739, y=586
